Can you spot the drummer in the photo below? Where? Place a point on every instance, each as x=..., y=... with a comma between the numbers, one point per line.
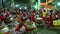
x=44, y=16
x=59, y=14
x=50, y=19
x=1, y=16
x=22, y=20
x=33, y=16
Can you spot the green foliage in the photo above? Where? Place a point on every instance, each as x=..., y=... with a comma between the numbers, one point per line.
x=22, y=1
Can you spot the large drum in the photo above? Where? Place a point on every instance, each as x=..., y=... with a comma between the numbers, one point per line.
x=30, y=26
x=56, y=23
x=38, y=20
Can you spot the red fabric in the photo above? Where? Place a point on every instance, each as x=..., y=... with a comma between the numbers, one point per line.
x=1, y=18
x=51, y=17
x=18, y=27
x=31, y=29
x=24, y=14
x=18, y=13
x=0, y=23
x=44, y=19
x=51, y=21
x=7, y=14
x=50, y=24
x=7, y=33
x=32, y=17
x=59, y=15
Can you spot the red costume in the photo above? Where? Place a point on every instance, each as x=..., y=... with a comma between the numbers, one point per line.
x=19, y=26
x=59, y=15
x=24, y=16
x=7, y=33
x=32, y=17
x=51, y=20
x=7, y=13
x=18, y=13
x=44, y=19
x=1, y=19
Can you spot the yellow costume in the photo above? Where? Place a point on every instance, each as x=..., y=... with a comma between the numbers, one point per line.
x=44, y=14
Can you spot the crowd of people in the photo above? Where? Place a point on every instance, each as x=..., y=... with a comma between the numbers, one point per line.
x=47, y=16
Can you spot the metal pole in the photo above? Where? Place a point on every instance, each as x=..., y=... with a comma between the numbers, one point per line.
x=2, y=4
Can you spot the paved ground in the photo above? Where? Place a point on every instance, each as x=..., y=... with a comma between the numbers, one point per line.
x=42, y=30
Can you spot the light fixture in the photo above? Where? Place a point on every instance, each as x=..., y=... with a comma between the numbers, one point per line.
x=25, y=7
x=17, y=5
x=58, y=3
x=35, y=7
x=20, y=8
